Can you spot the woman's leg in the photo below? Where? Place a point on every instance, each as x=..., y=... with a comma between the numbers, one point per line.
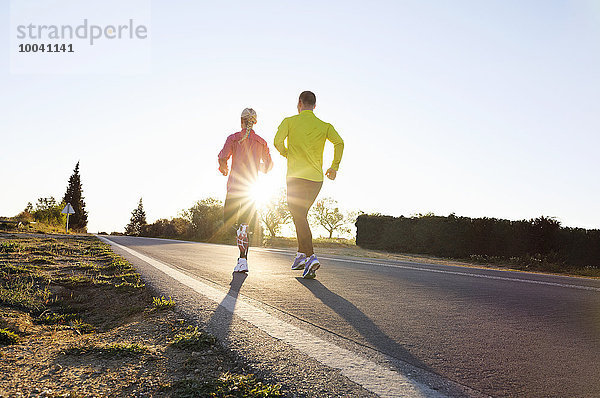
x=230, y=211
x=232, y=218
x=247, y=220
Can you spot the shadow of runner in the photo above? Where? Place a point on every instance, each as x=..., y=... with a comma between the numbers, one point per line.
x=374, y=336
x=220, y=321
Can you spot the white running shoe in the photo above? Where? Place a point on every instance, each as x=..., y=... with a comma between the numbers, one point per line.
x=299, y=261
x=242, y=265
x=311, y=267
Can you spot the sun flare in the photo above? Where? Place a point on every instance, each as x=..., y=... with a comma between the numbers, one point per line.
x=264, y=190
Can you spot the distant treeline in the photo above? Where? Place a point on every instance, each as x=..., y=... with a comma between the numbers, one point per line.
x=541, y=240
x=204, y=221
x=201, y=222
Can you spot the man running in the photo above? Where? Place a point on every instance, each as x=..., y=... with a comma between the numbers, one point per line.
x=250, y=154
x=306, y=135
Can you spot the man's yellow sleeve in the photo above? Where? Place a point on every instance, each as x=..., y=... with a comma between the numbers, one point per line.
x=279, y=141
x=338, y=147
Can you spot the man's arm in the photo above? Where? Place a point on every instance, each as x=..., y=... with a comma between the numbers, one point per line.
x=282, y=134
x=338, y=150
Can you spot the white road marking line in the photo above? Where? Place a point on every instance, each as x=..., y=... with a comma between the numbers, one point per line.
x=502, y=278
x=371, y=376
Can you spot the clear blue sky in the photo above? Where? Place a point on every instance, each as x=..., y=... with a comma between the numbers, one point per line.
x=481, y=108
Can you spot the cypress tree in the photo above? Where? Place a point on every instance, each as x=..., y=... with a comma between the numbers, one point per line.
x=137, y=222
x=74, y=196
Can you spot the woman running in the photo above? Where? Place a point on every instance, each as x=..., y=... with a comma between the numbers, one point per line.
x=250, y=154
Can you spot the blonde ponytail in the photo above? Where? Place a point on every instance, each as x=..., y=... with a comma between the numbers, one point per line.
x=249, y=118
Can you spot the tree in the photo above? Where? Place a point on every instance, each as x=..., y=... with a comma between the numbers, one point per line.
x=137, y=222
x=74, y=196
x=48, y=211
x=328, y=215
x=205, y=217
x=275, y=214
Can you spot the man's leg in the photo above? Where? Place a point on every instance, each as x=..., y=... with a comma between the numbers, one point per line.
x=312, y=189
x=301, y=195
x=295, y=202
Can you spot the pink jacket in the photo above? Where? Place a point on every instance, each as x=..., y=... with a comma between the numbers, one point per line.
x=246, y=157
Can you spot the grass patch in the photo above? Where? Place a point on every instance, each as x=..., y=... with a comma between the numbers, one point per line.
x=228, y=385
x=278, y=241
x=81, y=327
x=9, y=268
x=7, y=337
x=119, y=264
x=116, y=350
x=24, y=294
x=72, y=320
x=43, y=253
x=75, y=280
x=161, y=303
x=587, y=271
x=193, y=339
x=87, y=266
x=51, y=318
x=43, y=261
x=81, y=280
x=130, y=285
x=9, y=247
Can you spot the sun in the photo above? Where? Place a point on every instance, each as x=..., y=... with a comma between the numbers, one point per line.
x=264, y=190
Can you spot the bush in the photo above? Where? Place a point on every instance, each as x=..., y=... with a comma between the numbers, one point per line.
x=462, y=237
x=170, y=229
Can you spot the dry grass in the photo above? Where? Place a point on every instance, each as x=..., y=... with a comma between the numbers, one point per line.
x=77, y=320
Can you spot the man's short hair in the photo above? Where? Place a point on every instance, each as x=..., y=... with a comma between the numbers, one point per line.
x=308, y=98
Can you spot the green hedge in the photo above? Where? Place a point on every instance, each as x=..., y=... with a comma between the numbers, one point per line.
x=461, y=237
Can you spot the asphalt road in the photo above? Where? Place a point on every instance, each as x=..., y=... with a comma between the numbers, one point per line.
x=500, y=333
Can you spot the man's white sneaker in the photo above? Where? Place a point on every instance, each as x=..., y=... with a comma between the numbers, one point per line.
x=242, y=265
x=311, y=267
x=299, y=261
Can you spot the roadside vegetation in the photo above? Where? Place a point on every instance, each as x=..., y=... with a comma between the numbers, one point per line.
x=422, y=237
x=203, y=222
x=539, y=244
x=161, y=303
x=77, y=320
x=46, y=216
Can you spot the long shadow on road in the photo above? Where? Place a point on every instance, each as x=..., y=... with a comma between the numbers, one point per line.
x=220, y=321
x=373, y=335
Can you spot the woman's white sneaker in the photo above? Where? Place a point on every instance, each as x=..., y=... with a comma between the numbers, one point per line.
x=242, y=265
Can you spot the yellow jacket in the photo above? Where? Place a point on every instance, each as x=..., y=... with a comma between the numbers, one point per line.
x=306, y=135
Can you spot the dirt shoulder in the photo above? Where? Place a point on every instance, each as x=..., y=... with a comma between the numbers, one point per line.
x=77, y=320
